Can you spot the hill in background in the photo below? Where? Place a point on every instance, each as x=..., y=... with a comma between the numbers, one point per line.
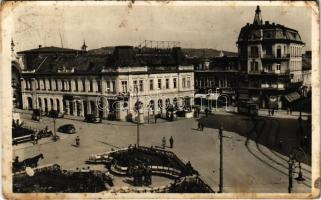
x=189, y=52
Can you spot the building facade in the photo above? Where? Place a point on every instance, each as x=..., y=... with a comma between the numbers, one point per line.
x=270, y=62
x=218, y=75
x=109, y=86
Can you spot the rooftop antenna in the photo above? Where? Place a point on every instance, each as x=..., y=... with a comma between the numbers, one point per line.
x=61, y=42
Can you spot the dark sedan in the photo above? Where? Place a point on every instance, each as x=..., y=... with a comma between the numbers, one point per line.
x=92, y=119
x=67, y=128
x=55, y=114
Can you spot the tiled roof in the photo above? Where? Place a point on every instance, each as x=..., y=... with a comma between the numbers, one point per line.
x=80, y=63
x=50, y=49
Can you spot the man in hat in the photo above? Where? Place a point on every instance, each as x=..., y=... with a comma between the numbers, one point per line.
x=171, y=141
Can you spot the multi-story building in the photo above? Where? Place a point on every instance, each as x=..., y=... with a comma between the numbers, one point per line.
x=270, y=61
x=220, y=76
x=108, y=86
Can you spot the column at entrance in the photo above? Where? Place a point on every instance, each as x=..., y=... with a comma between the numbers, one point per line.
x=105, y=109
x=74, y=104
x=61, y=105
x=54, y=104
x=82, y=112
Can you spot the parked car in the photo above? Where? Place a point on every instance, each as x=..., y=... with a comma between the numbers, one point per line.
x=67, y=128
x=37, y=113
x=56, y=114
x=92, y=119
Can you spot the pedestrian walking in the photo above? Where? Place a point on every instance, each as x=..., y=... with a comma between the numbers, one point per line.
x=164, y=142
x=206, y=112
x=272, y=112
x=35, y=139
x=155, y=119
x=171, y=141
x=202, y=126
x=77, y=141
x=269, y=111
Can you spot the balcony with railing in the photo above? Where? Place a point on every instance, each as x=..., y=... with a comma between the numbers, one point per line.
x=275, y=57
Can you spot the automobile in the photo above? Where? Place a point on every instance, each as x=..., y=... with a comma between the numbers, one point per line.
x=92, y=119
x=56, y=114
x=37, y=113
x=67, y=128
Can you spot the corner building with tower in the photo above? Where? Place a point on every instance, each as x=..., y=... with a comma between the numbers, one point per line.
x=270, y=63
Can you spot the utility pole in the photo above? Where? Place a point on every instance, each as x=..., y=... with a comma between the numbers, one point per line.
x=290, y=173
x=221, y=159
x=138, y=115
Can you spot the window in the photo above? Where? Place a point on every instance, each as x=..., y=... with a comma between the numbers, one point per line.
x=113, y=86
x=83, y=85
x=167, y=83
x=135, y=85
x=124, y=86
x=189, y=82
x=184, y=83
x=151, y=84
x=76, y=85
x=108, y=87
x=98, y=86
x=159, y=83
x=278, y=67
x=69, y=85
x=174, y=82
x=254, y=66
x=254, y=52
x=141, y=85
x=44, y=84
x=63, y=85
x=56, y=83
x=50, y=85
x=90, y=85
x=278, y=52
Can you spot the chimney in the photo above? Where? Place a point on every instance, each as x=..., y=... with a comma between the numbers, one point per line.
x=267, y=22
x=40, y=46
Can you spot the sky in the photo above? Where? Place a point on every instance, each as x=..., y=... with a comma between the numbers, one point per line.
x=197, y=26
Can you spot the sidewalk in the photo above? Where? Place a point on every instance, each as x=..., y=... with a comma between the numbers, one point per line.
x=262, y=112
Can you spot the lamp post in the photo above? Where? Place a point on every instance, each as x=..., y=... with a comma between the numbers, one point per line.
x=138, y=115
x=295, y=159
x=221, y=159
x=216, y=97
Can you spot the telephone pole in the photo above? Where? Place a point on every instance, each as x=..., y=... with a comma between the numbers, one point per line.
x=138, y=115
x=221, y=159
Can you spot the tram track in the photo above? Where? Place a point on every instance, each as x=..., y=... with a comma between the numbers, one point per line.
x=265, y=131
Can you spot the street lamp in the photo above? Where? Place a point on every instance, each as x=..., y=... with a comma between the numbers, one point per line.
x=221, y=159
x=138, y=114
x=221, y=136
x=295, y=159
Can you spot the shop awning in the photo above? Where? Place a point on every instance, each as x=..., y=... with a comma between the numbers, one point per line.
x=212, y=96
x=203, y=96
x=292, y=96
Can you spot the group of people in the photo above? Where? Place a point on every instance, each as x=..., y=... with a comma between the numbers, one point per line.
x=171, y=142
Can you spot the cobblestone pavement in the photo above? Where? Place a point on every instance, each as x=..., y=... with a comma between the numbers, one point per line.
x=251, y=168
